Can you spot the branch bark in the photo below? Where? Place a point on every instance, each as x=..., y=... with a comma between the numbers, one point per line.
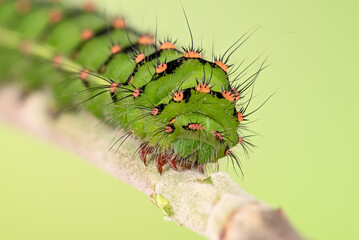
x=213, y=206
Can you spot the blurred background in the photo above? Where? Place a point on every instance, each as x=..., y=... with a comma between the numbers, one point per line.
x=306, y=161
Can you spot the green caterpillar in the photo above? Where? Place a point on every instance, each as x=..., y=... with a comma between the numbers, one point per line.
x=182, y=107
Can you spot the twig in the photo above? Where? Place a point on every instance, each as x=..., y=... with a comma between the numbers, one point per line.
x=213, y=206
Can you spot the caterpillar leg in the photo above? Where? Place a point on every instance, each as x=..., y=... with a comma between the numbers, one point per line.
x=145, y=149
x=161, y=160
x=173, y=162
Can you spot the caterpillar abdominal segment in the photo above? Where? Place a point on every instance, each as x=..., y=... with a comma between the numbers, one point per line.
x=179, y=105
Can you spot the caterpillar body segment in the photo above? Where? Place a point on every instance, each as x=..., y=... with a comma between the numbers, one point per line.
x=180, y=105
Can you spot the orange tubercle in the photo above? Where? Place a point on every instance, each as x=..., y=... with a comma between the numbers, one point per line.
x=23, y=6
x=130, y=80
x=55, y=16
x=195, y=126
x=217, y=135
x=167, y=45
x=84, y=73
x=168, y=129
x=235, y=94
x=178, y=96
x=228, y=95
x=136, y=93
x=89, y=6
x=172, y=120
x=140, y=57
x=118, y=23
x=154, y=111
x=146, y=40
x=115, y=49
x=86, y=34
x=202, y=87
x=57, y=60
x=102, y=69
x=223, y=66
x=113, y=87
x=228, y=152
x=192, y=54
x=161, y=68
x=240, y=116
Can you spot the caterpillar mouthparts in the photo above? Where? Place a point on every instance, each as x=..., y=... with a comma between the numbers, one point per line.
x=181, y=106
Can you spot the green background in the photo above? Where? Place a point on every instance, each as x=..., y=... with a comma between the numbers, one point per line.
x=306, y=162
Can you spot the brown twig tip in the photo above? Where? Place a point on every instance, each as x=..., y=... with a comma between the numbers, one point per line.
x=259, y=222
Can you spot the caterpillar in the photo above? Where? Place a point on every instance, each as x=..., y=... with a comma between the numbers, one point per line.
x=186, y=110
